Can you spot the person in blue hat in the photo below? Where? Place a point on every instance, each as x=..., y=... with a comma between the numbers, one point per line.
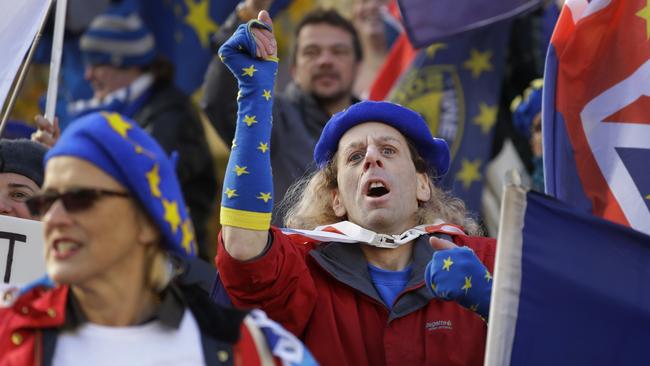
x=348, y=274
x=122, y=286
x=129, y=77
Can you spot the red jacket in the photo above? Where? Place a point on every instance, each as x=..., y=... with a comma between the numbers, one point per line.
x=28, y=331
x=323, y=293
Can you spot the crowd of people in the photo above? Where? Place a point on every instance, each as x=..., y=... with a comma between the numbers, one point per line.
x=379, y=265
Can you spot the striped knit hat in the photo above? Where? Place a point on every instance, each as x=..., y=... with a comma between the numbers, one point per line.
x=119, y=38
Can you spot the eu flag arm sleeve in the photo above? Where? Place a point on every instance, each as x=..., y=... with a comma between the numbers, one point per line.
x=247, y=199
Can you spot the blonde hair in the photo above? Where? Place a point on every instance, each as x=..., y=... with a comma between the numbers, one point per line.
x=160, y=271
x=308, y=202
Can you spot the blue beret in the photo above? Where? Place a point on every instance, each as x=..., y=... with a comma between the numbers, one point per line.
x=409, y=123
x=121, y=149
x=525, y=108
x=118, y=37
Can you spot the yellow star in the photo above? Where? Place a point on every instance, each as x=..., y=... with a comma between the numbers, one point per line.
x=117, y=123
x=239, y=94
x=434, y=48
x=433, y=286
x=478, y=62
x=447, y=264
x=188, y=235
x=171, y=214
x=264, y=197
x=487, y=117
x=234, y=144
x=240, y=170
x=198, y=17
x=469, y=172
x=266, y=95
x=263, y=147
x=647, y=197
x=249, y=120
x=467, y=285
x=222, y=57
x=231, y=193
x=249, y=71
x=488, y=276
x=645, y=15
x=474, y=307
x=154, y=180
x=138, y=149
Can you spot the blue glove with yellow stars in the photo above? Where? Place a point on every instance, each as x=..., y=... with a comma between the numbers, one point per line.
x=247, y=199
x=457, y=274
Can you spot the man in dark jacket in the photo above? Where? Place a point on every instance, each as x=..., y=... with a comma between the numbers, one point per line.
x=326, y=58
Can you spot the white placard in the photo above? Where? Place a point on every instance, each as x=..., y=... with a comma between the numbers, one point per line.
x=22, y=250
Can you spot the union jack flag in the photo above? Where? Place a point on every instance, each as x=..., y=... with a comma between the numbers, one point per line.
x=596, y=113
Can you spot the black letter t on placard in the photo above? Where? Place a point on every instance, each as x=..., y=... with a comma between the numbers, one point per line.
x=13, y=238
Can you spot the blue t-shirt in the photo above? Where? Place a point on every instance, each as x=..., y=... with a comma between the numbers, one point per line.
x=389, y=284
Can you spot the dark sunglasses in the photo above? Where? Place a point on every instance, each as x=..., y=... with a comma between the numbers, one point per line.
x=74, y=200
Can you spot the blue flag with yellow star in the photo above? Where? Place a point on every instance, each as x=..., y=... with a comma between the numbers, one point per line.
x=455, y=84
x=183, y=29
x=570, y=288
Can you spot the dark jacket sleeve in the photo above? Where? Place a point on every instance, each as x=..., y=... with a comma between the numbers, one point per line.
x=170, y=119
x=219, y=101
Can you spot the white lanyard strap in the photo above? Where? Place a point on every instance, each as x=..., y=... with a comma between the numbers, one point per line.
x=347, y=232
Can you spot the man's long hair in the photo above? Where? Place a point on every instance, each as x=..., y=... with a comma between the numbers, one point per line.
x=308, y=202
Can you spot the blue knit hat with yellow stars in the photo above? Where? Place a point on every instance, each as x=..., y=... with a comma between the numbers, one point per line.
x=120, y=148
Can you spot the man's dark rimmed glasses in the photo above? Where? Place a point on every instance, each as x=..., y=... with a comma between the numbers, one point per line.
x=74, y=200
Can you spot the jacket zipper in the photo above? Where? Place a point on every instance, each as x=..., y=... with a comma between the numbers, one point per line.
x=38, y=355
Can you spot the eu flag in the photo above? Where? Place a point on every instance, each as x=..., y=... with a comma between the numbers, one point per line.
x=596, y=112
x=183, y=29
x=455, y=84
x=569, y=288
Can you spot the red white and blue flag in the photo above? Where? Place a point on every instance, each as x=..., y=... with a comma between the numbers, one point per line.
x=596, y=113
x=569, y=288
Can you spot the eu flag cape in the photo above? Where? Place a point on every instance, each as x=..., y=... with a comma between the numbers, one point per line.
x=596, y=110
x=569, y=288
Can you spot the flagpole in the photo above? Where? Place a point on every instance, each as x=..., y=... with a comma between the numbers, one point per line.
x=23, y=69
x=55, y=63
